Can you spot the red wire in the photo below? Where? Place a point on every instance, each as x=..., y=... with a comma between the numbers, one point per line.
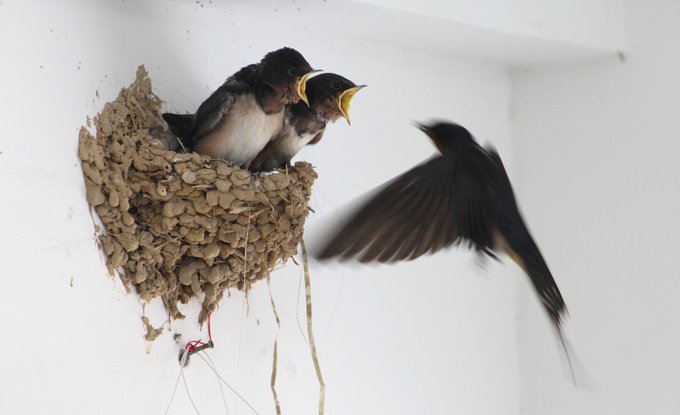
x=192, y=345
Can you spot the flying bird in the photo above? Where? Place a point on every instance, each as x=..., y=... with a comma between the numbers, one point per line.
x=461, y=197
x=237, y=121
x=329, y=98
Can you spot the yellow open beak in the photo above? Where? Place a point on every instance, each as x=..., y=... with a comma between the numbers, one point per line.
x=301, y=85
x=344, y=100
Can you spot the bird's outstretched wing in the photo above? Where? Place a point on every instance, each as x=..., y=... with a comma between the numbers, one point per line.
x=429, y=207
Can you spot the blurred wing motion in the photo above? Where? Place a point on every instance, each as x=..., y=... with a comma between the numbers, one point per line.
x=410, y=216
x=447, y=200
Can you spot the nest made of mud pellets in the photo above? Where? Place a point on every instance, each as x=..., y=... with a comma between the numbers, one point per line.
x=182, y=225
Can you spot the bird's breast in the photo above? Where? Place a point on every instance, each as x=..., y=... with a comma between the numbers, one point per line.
x=244, y=131
x=292, y=142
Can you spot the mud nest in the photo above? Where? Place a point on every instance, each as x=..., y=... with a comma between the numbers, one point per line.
x=184, y=225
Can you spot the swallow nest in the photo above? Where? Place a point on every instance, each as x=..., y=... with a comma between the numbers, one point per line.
x=184, y=225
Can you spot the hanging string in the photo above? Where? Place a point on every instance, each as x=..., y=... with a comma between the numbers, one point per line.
x=335, y=307
x=277, y=404
x=212, y=367
x=186, y=387
x=174, y=390
x=297, y=309
x=224, y=398
x=219, y=383
x=310, y=332
x=194, y=347
x=183, y=362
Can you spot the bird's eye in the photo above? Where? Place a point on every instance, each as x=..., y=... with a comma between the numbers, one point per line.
x=335, y=85
x=293, y=71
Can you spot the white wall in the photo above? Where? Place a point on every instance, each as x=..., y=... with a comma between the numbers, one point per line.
x=430, y=336
x=597, y=21
x=509, y=32
x=597, y=150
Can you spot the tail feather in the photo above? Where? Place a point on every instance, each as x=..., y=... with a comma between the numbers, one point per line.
x=529, y=258
x=525, y=253
x=180, y=125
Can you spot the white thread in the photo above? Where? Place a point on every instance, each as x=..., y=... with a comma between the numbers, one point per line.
x=297, y=310
x=186, y=387
x=224, y=398
x=337, y=303
x=185, y=356
x=212, y=367
x=174, y=390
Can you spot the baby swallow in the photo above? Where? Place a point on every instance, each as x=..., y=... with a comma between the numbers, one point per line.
x=242, y=115
x=462, y=196
x=329, y=97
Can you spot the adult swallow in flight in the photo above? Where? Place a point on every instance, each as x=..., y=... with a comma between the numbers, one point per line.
x=329, y=97
x=461, y=197
x=242, y=115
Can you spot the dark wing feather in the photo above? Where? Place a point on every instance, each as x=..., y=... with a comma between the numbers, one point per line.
x=419, y=212
x=211, y=112
x=378, y=213
x=395, y=237
x=316, y=138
